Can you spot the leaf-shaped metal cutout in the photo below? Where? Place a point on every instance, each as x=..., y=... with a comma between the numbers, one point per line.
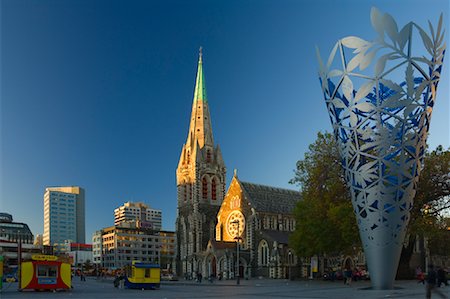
x=403, y=35
x=331, y=57
x=354, y=42
x=335, y=73
x=338, y=103
x=390, y=26
x=354, y=62
x=377, y=20
x=392, y=85
x=426, y=40
x=364, y=90
x=409, y=76
x=365, y=107
x=367, y=59
x=347, y=88
x=381, y=64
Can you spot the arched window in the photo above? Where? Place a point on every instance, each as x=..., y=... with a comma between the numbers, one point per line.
x=213, y=189
x=263, y=253
x=208, y=156
x=204, y=188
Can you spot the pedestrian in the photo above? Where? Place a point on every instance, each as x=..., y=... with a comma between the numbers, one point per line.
x=348, y=276
x=419, y=275
x=441, y=276
x=431, y=283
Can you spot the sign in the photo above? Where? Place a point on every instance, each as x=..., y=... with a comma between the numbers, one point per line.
x=47, y=280
x=44, y=257
x=314, y=264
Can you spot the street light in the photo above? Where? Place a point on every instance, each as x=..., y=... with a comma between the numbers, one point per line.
x=186, y=276
x=289, y=263
x=237, y=238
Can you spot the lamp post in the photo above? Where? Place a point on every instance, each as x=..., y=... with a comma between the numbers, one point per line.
x=289, y=264
x=237, y=238
x=19, y=259
x=185, y=268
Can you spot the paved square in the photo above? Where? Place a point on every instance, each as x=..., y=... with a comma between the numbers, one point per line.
x=250, y=289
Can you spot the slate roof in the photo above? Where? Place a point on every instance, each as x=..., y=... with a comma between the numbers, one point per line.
x=281, y=237
x=222, y=244
x=270, y=199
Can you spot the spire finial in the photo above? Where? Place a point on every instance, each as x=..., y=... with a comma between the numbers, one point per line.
x=200, y=53
x=235, y=173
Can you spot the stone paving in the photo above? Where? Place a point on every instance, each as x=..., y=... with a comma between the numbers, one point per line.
x=251, y=289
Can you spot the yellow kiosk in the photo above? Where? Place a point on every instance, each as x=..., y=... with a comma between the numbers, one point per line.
x=143, y=276
x=45, y=272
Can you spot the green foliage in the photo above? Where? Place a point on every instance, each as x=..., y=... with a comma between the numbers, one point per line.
x=431, y=210
x=325, y=220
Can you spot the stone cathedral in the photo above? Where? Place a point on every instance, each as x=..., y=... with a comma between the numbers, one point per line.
x=210, y=219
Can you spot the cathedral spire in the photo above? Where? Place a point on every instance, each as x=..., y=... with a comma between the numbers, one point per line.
x=200, y=87
x=200, y=129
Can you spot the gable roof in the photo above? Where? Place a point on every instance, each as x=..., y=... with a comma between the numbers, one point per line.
x=271, y=199
x=281, y=237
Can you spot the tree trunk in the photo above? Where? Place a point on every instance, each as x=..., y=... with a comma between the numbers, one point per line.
x=404, y=270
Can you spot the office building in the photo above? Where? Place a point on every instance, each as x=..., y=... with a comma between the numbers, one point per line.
x=64, y=216
x=138, y=211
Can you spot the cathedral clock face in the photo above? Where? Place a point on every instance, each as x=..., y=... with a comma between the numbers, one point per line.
x=234, y=218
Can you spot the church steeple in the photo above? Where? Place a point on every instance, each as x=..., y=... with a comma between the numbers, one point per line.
x=200, y=87
x=201, y=175
x=200, y=129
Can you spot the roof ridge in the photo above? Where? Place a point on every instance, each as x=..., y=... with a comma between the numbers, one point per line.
x=271, y=187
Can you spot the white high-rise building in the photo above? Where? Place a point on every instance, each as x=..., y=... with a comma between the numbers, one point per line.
x=64, y=216
x=138, y=211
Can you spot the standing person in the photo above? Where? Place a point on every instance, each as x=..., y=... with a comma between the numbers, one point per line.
x=348, y=276
x=441, y=276
x=431, y=283
x=419, y=275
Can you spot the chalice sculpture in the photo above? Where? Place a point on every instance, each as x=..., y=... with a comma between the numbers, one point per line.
x=380, y=95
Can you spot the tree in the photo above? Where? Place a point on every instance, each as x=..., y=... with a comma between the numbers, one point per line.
x=431, y=207
x=325, y=222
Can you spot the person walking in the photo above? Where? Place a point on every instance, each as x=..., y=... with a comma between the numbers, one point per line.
x=431, y=283
x=419, y=275
x=441, y=276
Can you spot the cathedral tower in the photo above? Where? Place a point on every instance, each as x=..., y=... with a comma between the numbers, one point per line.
x=200, y=182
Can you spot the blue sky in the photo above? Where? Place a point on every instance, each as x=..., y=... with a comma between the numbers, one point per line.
x=98, y=93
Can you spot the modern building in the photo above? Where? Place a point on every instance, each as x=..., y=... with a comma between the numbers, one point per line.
x=14, y=231
x=97, y=247
x=201, y=175
x=64, y=216
x=15, y=237
x=79, y=253
x=124, y=243
x=132, y=211
x=168, y=248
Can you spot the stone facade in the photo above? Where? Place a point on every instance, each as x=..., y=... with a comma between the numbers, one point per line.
x=209, y=222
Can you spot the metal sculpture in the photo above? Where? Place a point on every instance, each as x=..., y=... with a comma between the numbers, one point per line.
x=381, y=128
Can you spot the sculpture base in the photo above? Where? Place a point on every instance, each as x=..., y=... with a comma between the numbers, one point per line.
x=382, y=263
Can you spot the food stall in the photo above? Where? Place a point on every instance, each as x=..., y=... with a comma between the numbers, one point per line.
x=143, y=276
x=45, y=272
